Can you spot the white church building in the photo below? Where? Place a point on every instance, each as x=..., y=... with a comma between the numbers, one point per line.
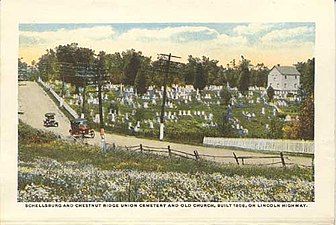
x=284, y=80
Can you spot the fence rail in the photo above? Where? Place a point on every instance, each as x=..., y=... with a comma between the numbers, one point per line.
x=60, y=100
x=239, y=160
x=267, y=145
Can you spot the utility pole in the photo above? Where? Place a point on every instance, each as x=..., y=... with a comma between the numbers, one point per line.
x=84, y=99
x=166, y=58
x=101, y=116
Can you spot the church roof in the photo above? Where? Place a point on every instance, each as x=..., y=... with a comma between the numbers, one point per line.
x=287, y=70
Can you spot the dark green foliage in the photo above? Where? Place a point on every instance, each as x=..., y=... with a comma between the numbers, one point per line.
x=141, y=84
x=132, y=65
x=270, y=93
x=244, y=79
x=259, y=75
x=275, y=131
x=307, y=71
x=200, y=79
x=27, y=134
x=224, y=126
x=306, y=119
x=225, y=96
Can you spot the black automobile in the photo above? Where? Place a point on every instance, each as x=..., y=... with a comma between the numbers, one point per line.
x=80, y=127
x=49, y=120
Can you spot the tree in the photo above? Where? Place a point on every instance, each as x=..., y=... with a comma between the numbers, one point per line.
x=48, y=66
x=141, y=78
x=259, y=75
x=131, y=67
x=244, y=79
x=307, y=71
x=189, y=69
x=225, y=96
x=306, y=119
x=23, y=73
x=224, y=125
x=200, y=80
x=270, y=93
x=276, y=130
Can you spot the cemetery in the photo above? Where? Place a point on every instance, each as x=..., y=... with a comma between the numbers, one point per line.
x=189, y=114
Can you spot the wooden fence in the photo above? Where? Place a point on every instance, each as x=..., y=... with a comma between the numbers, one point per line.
x=239, y=160
x=267, y=145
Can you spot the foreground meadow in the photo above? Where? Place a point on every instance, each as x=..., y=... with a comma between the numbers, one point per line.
x=51, y=170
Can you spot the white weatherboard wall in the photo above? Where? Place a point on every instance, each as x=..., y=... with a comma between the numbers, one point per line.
x=269, y=145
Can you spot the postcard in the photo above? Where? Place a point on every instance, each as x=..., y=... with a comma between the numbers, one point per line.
x=179, y=112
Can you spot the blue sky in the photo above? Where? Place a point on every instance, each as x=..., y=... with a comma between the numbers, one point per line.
x=271, y=43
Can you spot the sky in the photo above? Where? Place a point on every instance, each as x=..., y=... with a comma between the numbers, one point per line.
x=268, y=43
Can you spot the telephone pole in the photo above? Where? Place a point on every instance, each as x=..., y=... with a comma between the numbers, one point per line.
x=167, y=59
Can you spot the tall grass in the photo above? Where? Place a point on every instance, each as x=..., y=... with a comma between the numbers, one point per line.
x=34, y=144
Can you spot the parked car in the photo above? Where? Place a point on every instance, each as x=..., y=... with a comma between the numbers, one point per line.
x=80, y=127
x=50, y=120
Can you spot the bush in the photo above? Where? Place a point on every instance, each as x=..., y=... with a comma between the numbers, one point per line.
x=28, y=134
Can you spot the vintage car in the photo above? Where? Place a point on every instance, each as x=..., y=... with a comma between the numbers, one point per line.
x=50, y=120
x=80, y=127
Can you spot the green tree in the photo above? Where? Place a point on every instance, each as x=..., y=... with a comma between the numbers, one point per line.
x=276, y=130
x=224, y=125
x=306, y=119
x=141, y=78
x=200, y=80
x=244, y=79
x=189, y=69
x=48, y=66
x=131, y=66
x=270, y=93
x=259, y=75
x=225, y=96
x=23, y=70
x=307, y=71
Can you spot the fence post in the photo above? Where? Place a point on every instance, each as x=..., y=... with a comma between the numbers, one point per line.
x=236, y=158
x=282, y=159
x=141, y=148
x=169, y=151
x=196, y=155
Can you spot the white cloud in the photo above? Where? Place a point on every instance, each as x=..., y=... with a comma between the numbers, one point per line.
x=63, y=36
x=278, y=46
x=252, y=28
x=233, y=41
x=292, y=35
x=170, y=34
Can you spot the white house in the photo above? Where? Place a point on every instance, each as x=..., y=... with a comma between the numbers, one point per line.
x=284, y=79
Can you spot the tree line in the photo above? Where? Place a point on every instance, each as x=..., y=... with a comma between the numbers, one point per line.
x=131, y=67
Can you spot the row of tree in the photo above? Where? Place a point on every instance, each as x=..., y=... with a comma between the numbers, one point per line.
x=131, y=67
x=72, y=63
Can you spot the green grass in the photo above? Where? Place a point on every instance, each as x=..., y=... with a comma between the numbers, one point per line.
x=34, y=144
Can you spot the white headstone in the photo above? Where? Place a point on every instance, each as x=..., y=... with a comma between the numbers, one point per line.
x=263, y=111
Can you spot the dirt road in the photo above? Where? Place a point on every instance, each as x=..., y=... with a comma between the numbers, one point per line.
x=34, y=103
